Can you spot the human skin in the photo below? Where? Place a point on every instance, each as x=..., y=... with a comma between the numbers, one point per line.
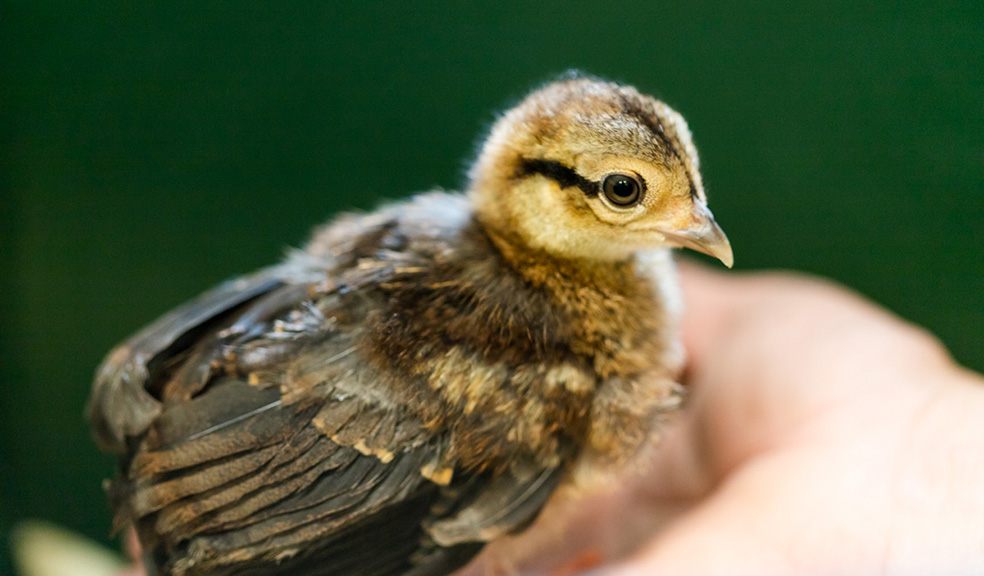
x=822, y=436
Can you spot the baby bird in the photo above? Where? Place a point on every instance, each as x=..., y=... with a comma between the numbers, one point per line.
x=418, y=380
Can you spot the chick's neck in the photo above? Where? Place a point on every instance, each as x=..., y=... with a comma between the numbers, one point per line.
x=544, y=269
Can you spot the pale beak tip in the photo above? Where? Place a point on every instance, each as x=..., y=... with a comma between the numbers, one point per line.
x=728, y=262
x=725, y=255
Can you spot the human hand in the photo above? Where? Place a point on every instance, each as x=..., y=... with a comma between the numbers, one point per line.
x=822, y=436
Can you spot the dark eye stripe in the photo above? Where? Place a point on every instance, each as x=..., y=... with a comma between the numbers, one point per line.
x=563, y=175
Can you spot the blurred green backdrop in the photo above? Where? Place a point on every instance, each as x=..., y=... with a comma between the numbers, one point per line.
x=150, y=150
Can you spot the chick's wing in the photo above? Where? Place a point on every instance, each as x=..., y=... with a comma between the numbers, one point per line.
x=258, y=439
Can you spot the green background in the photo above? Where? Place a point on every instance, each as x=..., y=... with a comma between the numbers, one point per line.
x=152, y=149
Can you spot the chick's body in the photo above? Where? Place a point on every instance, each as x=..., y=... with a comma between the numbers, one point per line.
x=414, y=383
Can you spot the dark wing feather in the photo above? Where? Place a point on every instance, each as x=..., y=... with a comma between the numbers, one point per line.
x=262, y=442
x=305, y=504
x=120, y=404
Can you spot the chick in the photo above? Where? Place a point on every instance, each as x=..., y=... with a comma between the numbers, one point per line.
x=417, y=381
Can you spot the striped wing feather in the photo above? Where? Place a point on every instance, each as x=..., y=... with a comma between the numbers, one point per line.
x=256, y=440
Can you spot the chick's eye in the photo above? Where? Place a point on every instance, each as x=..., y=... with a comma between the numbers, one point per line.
x=622, y=190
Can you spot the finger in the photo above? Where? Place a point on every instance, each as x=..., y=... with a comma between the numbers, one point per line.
x=715, y=302
x=771, y=353
x=133, y=550
x=781, y=309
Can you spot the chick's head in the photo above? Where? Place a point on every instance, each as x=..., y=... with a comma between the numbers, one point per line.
x=584, y=168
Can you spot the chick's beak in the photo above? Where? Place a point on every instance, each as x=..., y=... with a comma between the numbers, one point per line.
x=703, y=235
